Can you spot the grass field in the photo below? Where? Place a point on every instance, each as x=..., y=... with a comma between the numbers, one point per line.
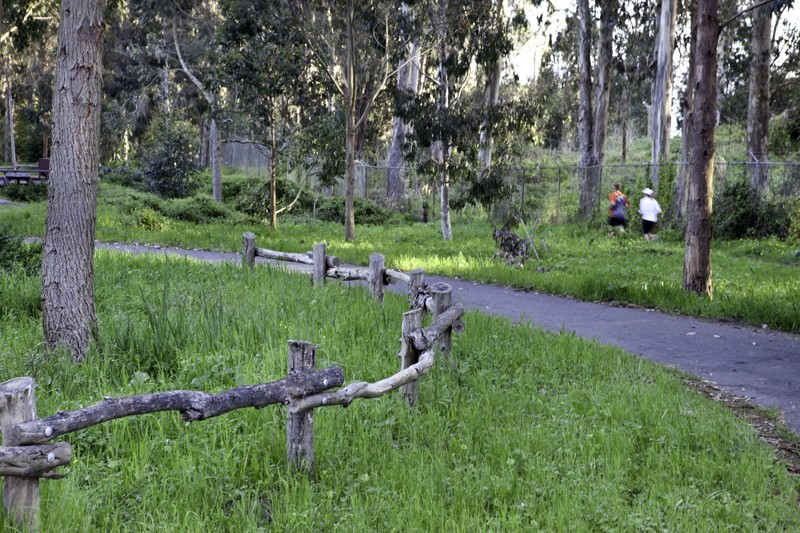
x=755, y=281
x=534, y=431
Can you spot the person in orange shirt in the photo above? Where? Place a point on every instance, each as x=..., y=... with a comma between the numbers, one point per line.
x=616, y=212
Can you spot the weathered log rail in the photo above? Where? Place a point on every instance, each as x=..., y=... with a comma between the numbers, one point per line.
x=26, y=454
x=328, y=266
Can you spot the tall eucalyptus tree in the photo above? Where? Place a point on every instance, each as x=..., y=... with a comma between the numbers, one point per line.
x=661, y=104
x=352, y=43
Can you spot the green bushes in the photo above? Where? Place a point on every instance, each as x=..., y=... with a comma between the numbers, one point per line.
x=169, y=159
x=737, y=214
x=197, y=209
x=26, y=193
x=14, y=253
x=122, y=173
x=366, y=212
x=252, y=196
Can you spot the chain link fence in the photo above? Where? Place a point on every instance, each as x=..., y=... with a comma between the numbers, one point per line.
x=552, y=192
x=251, y=159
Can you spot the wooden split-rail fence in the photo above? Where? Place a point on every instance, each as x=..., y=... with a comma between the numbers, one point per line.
x=28, y=454
x=329, y=266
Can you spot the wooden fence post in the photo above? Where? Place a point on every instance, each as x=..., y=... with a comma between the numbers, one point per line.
x=300, y=426
x=248, y=250
x=443, y=299
x=417, y=281
x=409, y=355
x=20, y=495
x=375, y=278
x=320, y=264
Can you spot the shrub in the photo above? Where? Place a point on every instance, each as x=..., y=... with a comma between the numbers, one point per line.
x=253, y=196
x=15, y=253
x=197, y=209
x=738, y=215
x=129, y=201
x=169, y=163
x=122, y=173
x=26, y=193
x=794, y=221
x=366, y=211
x=151, y=220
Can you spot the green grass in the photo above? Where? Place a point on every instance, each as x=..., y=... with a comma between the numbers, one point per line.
x=534, y=431
x=755, y=281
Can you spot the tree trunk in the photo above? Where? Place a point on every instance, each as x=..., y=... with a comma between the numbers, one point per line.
x=165, y=76
x=724, y=43
x=68, y=308
x=603, y=83
x=697, y=259
x=687, y=105
x=758, y=99
x=662, y=87
x=443, y=142
x=626, y=103
x=491, y=96
x=216, y=153
x=12, y=143
x=590, y=182
x=350, y=93
x=273, y=178
x=408, y=83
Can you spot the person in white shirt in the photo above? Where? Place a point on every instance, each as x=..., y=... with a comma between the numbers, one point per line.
x=649, y=209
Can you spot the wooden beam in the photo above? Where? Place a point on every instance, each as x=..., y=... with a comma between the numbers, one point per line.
x=193, y=405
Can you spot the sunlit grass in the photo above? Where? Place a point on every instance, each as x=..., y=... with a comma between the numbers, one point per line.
x=757, y=282
x=534, y=431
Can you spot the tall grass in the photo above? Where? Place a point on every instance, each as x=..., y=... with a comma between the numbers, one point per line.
x=534, y=431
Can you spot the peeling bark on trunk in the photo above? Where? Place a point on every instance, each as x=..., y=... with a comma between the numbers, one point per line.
x=590, y=182
x=758, y=100
x=350, y=92
x=408, y=82
x=662, y=87
x=491, y=96
x=443, y=143
x=216, y=155
x=687, y=105
x=273, y=175
x=603, y=82
x=68, y=308
x=697, y=258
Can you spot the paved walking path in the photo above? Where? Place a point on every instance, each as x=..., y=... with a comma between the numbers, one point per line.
x=761, y=364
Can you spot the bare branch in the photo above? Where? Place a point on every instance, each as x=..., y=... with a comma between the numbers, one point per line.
x=286, y=208
x=209, y=98
x=744, y=12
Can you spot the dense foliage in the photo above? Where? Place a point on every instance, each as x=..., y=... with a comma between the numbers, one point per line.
x=168, y=160
x=738, y=214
